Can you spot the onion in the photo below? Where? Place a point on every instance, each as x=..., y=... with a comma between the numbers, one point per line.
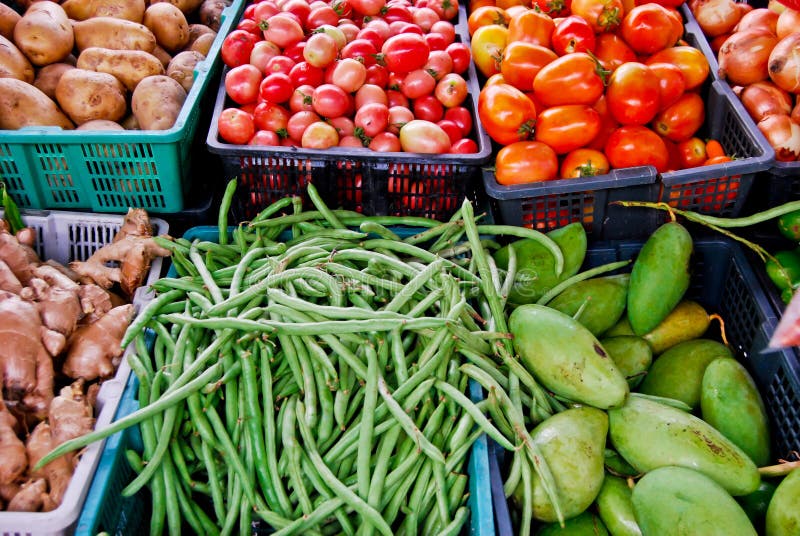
x=717, y=42
x=788, y=22
x=795, y=115
x=783, y=135
x=743, y=58
x=758, y=19
x=717, y=17
x=765, y=98
x=784, y=63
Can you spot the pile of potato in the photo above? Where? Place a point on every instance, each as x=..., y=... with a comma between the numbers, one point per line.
x=101, y=64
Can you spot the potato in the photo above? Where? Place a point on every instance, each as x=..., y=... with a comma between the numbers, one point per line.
x=100, y=124
x=117, y=34
x=129, y=122
x=44, y=33
x=203, y=44
x=22, y=105
x=157, y=102
x=129, y=66
x=13, y=63
x=8, y=19
x=196, y=30
x=187, y=6
x=48, y=76
x=132, y=10
x=182, y=67
x=168, y=24
x=211, y=12
x=86, y=95
x=163, y=56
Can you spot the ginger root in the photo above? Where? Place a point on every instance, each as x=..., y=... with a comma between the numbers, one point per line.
x=12, y=449
x=70, y=415
x=58, y=472
x=133, y=248
x=30, y=497
x=93, y=348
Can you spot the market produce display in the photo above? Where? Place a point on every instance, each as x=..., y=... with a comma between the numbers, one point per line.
x=61, y=333
x=80, y=64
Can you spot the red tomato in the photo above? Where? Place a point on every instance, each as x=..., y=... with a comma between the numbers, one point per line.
x=370, y=93
x=573, y=34
x=298, y=122
x=648, y=28
x=691, y=152
x=372, y=119
x=241, y=83
x=330, y=100
x=571, y=79
x=554, y=8
x=398, y=116
x=568, y=127
x=321, y=15
x=602, y=15
x=584, y=162
x=362, y=50
x=236, y=47
x=452, y=130
x=607, y=125
x=301, y=98
x=386, y=142
x=405, y=53
x=635, y=145
x=428, y=108
x=262, y=52
x=613, y=51
x=531, y=26
x=249, y=25
x=680, y=121
x=507, y=114
x=523, y=162
x=299, y=8
x=420, y=136
x=305, y=74
x=265, y=137
x=295, y=51
x=671, y=82
x=451, y=90
x=269, y=116
x=349, y=74
x=461, y=56
x=279, y=64
x=235, y=126
x=426, y=19
x=282, y=30
x=276, y=87
x=439, y=64
x=522, y=61
x=320, y=50
x=464, y=146
x=462, y=117
x=368, y=8
x=263, y=11
x=319, y=135
x=417, y=83
x=633, y=94
x=446, y=9
x=344, y=126
x=444, y=28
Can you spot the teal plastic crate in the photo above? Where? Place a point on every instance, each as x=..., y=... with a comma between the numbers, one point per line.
x=106, y=510
x=109, y=171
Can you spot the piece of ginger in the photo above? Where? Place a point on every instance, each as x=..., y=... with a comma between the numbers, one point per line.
x=30, y=497
x=13, y=456
x=58, y=472
x=94, y=348
x=21, y=347
x=70, y=415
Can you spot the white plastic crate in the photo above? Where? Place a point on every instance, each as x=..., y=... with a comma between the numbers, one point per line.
x=65, y=237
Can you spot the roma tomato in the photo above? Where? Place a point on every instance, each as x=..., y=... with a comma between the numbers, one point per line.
x=690, y=60
x=568, y=127
x=602, y=15
x=522, y=62
x=613, y=51
x=671, y=83
x=584, y=162
x=486, y=15
x=531, y=26
x=460, y=55
x=633, y=94
x=691, y=152
x=236, y=47
x=241, y=83
x=417, y=83
x=420, y=136
x=680, y=121
x=575, y=78
x=636, y=145
x=487, y=46
x=283, y=30
x=573, y=34
x=507, y=114
x=524, y=162
x=428, y=108
x=236, y=126
x=648, y=28
x=404, y=53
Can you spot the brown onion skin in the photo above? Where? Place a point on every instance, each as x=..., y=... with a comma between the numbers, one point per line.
x=717, y=17
x=788, y=22
x=717, y=42
x=795, y=114
x=765, y=98
x=784, y=63
x=757, y=19
x=744, y=57
x=783, y=135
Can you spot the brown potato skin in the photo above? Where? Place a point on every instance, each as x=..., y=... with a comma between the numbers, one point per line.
x=8, y=19
x=168, y=24
x=128, y=66
x=48, y=76
x=117, y=34
x=182, y=66
x=22, y=105
x=44, y=33
x=86, y=95
x=132, y=10
x=156, y=102
x=211, y=13
x=187, y=6
x=202, y=44
x=100, y=124
x=13, y=63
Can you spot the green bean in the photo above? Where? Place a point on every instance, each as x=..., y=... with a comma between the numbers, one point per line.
x=373, y=227
x=272, y=209
x=527, y=500
x=320, y=513
x=514, y=474
x=316, y=200
x=225, y=205
x=454, y=527
x=292, y=450
x=560, y=287
x=397, y=495
x=328, y=311
x=475, y=413
x=364, y=452
x=146, y=314
x=334, y=235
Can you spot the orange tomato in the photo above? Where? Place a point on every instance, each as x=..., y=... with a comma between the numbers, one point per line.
x=574, y=78
x=524, y=162
x=506, y=113
x=714, y=148
x=487, y=46
x=522, y=61
x=691, y=61
x=692, y=152
x=584, y=162
x=566, y=128
x=681, y=120
x=612, y=51
x=532, y=27
x=486, y=15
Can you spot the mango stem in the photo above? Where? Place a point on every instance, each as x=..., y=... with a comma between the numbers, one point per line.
x=781, y=469
x=719, y=319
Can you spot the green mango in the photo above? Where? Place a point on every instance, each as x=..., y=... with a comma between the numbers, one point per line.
x=535, y=265
x=577, y=478
x=631, y=354
x=755, y=504
x=615, y=507
x=585, y=524
x=731, y=403
x=650, y=434
x=687, y=321
x=683, y=502
x=565, y=357
x=623, y=327
x=617, y=465
x=600, y=300
x=783, y=512
x=678, y=372
x=659, y=276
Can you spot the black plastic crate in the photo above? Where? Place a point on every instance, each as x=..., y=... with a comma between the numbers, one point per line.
x=724, y=282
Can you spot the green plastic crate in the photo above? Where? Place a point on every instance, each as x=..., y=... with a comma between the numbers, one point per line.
x=109, y=171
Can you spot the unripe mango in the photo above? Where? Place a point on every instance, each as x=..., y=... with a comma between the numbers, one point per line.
x=566, y=357
x=659, y=276
x=783, y=513
x=585, y=524
x=731, y=403
x=600, y=300
x=631, y=354
x=683, y=502
x=650, y=434
x=615, y=507
x=678, y=372
x=687, y=321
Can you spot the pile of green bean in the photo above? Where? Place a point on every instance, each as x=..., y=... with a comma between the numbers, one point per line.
x=308, y=369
